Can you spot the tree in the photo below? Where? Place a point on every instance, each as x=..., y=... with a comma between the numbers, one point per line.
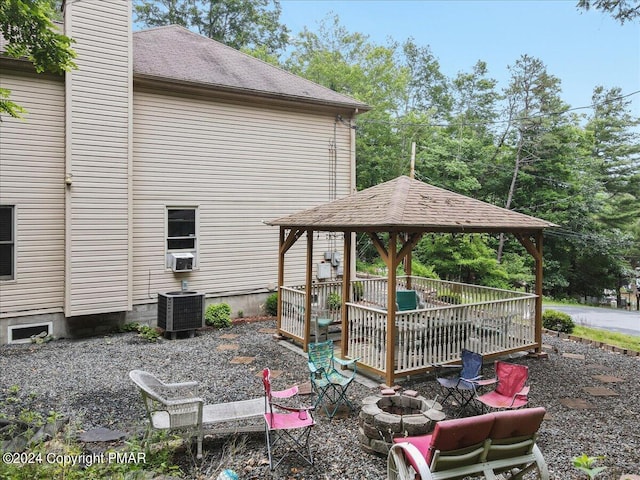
x=621, y=10
x=29, y=31
x=240, y=24
x=535, y=107
x=616, y=155
x=350, y=64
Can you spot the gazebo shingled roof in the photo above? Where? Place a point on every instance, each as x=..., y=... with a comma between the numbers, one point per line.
x=397, y=207
x=405, y=204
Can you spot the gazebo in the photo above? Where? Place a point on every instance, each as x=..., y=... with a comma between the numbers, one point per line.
x=387, y=340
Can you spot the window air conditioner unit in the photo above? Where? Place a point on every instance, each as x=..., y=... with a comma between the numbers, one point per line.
x=181, y=262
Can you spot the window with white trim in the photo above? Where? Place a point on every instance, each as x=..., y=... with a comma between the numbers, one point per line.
x=7, y=242
x=182, y=230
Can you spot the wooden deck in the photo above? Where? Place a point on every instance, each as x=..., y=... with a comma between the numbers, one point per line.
x=452, y=316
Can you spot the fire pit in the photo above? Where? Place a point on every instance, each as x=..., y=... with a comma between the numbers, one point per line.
x=385, y=417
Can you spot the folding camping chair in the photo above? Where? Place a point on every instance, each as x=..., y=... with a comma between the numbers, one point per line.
x=511, y=391
x=287, y=428
x=327, y=382
x=463, y=387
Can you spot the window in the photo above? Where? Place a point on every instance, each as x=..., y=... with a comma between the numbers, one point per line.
x=181, y=230
x=7, y=242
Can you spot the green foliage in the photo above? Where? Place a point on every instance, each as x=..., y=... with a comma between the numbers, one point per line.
x=218, y=315
x=148, y=333
x=358, y=291
x=237, y=23
x=522, y=148
x=418, y=269
x=334, y=301
x=27, y=27
x=450, y=297
x=130, y=327
x=271, y=305
x=158, y=460
x=629, y=342
x=621, y=10
x=586, y=465
x=557, y=321
x=463, y=258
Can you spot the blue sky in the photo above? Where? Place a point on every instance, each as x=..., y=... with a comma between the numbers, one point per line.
x=583, y=49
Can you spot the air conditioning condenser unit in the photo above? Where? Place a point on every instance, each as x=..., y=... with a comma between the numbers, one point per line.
x=180, y=311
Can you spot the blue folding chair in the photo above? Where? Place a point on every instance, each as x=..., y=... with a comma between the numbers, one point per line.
x=463, y=386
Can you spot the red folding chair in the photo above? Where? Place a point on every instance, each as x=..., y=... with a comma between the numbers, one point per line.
x=287, y=428
x=512, y=390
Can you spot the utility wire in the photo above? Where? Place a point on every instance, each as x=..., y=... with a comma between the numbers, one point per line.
x=400, y=123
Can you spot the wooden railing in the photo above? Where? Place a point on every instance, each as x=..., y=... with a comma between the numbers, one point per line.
x=435, y=335
x=453, y=316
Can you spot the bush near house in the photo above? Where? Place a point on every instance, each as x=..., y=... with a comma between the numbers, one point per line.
x=557, y=321
x=218, y=315
x=271, y=305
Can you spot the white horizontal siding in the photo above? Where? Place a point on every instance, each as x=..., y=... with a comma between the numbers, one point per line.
x=240, y=165
x=32, y=179
x=98, y=156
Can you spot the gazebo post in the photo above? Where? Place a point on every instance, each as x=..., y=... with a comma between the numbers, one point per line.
x=346, y=295
x=407, y=263
x=307, y=289
x=281, y=252
x=535, y=250
x=392, y=265
x=538, y=332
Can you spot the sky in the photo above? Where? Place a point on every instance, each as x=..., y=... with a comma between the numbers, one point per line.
x=583, y=49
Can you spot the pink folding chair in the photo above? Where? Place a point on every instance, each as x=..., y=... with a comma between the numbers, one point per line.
x=511, y=391
x=287, y=428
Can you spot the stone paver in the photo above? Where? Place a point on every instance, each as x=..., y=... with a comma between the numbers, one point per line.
x=101, y=434
x=608, y=379
x=228, y=346
x=596, y=366
x=229, y=336
x=243, y=360
x=576, y=403
x=577, y=356
x=268, y=330
x=305, y=388
x=600, y=392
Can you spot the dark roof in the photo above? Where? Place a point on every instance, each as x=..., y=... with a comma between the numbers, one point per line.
x=176, y=54
x=404, y=205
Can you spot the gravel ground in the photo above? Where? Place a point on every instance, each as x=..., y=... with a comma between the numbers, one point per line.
x=88, y=381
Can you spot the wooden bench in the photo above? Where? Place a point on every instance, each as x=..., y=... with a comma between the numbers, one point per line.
x=177, y=406
x=482, y=445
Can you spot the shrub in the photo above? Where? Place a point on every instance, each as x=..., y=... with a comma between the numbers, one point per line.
x=334, y=301
x=130, y=327
x=450, y=297
x=150, y=334
x=271, y=305
x=218, y=315
x=557, y=321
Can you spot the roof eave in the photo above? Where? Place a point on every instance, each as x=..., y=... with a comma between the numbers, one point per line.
x=412, y=228
x=356, y=107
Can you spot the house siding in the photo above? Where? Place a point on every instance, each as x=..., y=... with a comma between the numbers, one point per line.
x=239, y=164
x=98, y=148
x=32, y=179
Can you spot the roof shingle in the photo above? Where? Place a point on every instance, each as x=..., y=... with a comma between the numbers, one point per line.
x=177, y=54
x=405, y=204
